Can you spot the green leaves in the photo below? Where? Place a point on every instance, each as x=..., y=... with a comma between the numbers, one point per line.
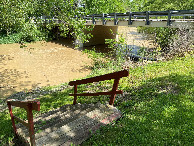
x=23, y=17
x=105, y=6
x=158, y=5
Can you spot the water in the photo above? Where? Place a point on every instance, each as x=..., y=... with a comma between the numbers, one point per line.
x=52, y=63
x=135, y=41
x=39, y=64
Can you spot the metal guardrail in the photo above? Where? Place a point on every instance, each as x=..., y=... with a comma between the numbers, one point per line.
x=137, y=15
x=130, y=16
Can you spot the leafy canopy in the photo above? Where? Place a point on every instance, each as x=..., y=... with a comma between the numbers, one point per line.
x=23, y=16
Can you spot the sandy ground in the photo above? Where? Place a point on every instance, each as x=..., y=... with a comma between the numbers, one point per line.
x=39, y=64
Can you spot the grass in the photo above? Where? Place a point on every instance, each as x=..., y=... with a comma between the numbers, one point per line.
x=157, y=105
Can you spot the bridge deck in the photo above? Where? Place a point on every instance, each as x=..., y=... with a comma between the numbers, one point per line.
x=175, y=23
x=170, y=18
x=70, y=124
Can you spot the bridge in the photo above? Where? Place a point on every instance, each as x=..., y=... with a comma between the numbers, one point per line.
x=146, y=19
x=104, y=22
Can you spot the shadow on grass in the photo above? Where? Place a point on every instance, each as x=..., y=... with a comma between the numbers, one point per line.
x=159, y=112
x=53, y=101
x=48, y=102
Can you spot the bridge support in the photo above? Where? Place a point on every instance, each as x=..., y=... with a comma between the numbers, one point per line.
x=100, y=33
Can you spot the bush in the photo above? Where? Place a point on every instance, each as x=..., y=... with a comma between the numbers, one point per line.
x=171, y=42
x=181, y=45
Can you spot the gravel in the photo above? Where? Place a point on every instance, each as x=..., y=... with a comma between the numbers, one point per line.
x=32, y=95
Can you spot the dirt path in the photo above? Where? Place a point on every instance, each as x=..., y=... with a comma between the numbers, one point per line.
x=39, y=64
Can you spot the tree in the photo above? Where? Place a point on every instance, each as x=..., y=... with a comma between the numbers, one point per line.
x=161, y=5
x=23, y=16
x=106, y=6
x=164, y=37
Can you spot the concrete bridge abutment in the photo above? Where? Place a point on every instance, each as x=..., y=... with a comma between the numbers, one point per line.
x=99, y=34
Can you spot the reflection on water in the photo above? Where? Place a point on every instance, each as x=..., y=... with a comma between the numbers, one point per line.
x=103, y=48
x=39, y=64
x=137, y=44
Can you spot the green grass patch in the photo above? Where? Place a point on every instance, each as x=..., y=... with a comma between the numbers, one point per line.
x=158, y=105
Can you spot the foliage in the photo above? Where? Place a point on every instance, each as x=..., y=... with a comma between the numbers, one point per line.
x=164, y=37
x=118, y=48
x=105, y=6
x=14, y=38
x=158, y=5
x=181, y=45
x=172, y=42
x=24, y=17
x=101, y=62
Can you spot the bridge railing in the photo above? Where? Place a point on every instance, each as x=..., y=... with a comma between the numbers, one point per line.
x=146, y=16
x=130, y=16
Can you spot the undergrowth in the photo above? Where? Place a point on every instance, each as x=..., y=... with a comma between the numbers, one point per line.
x=22, y=38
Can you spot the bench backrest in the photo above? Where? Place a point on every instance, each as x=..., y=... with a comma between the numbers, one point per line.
x=116, y=76
x=28, y=106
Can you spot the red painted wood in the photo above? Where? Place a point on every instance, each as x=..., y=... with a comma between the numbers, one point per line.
x=115, y=87
x=75, y=96
x=12, y=118
x=31, y=124
x=29, y=106
x=110, y=76
x=98, y=93
x=24, y=104
x=115, y=75
x=21, y=121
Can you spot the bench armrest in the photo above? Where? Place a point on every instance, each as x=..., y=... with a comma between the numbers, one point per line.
x=24, y=104
x=109, y=76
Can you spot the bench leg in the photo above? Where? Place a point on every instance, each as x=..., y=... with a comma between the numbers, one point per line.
x=75, y=96
x=115, y=86
x=31, y=124
x=12, y=119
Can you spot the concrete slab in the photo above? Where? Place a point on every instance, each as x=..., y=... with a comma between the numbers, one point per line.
x=70, y=124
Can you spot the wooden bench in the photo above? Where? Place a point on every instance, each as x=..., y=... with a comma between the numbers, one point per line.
x=35, y=105
x=28, y=106
x=116, y=76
